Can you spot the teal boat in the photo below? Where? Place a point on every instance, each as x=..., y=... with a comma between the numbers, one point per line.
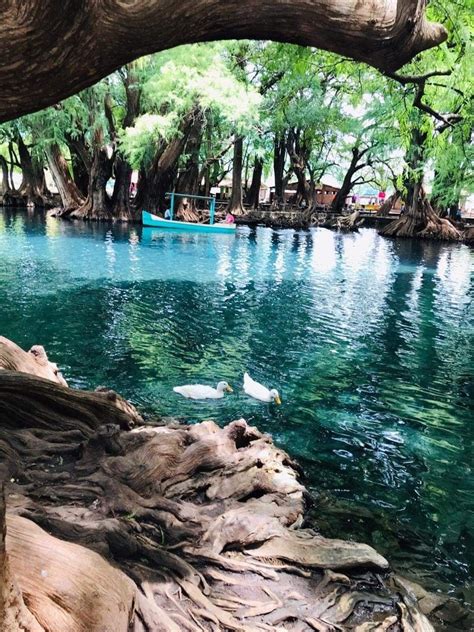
x=148, y=219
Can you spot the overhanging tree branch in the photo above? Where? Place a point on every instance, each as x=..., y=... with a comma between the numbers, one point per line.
x=59, y=47
x=419, y=81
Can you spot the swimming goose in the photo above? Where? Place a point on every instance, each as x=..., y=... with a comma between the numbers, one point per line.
x=260, y=392
x=201, y=391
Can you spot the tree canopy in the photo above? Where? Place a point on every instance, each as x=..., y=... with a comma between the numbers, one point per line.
x=188, y=118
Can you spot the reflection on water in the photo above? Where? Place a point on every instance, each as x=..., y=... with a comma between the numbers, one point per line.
x=369, y=341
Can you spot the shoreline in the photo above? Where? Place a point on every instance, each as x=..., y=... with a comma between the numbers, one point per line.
x=277, y=220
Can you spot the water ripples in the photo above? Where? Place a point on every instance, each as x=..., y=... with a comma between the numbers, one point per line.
x=369, y=341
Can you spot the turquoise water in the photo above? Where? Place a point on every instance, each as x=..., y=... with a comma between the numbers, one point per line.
x=368, y=340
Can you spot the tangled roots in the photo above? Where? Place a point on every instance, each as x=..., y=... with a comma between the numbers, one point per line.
x=115, y=526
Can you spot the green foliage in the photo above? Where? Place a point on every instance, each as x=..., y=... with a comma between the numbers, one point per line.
x=181, y=80
x=263, y=90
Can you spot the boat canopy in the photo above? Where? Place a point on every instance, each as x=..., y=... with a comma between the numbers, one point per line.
x=211, y=200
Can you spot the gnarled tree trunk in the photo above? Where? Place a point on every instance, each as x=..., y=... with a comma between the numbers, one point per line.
x=97, y=205
x=33, y=188
x=354, y=166
x=419, y=220
x=388, y=204
x=70, y=195
x=279, y=157
x=156, y=181
x=121, y=207
x=67, y=39
x=81, y=159
x=188, y=181
x=299, y=151
x=4, y=183
x=107, y=527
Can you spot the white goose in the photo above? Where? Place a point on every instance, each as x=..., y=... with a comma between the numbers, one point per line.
x=201, y=391
x=260, y=392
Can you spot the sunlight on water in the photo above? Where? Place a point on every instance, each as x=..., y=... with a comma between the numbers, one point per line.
x=368, y=340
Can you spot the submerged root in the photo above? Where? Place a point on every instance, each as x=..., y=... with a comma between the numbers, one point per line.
x=111, y=527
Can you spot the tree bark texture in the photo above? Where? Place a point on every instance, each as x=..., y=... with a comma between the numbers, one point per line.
x=4, y=181
x=81, y=159
x=235, y=205
x=354, y=166
x=420, y=220
x=253, y=195
x=121, y=206
x=59, y=47
x=68, y=191
x=299, y=151
x=33, y=187
x=389, y=203
x=279, y=156
x=188, y=180
x=97, y=206
x=157, y=180
x=113, y=526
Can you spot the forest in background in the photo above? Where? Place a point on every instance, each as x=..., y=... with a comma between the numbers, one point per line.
x=190, y=117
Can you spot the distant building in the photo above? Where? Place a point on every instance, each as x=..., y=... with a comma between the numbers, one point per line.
x=325, y=192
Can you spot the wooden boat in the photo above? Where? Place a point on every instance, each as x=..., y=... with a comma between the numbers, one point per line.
x=148, y=219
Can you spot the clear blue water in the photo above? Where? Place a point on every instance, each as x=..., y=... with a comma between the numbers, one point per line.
x=368, y=340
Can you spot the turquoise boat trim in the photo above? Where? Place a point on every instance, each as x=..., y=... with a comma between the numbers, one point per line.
x=148, y=219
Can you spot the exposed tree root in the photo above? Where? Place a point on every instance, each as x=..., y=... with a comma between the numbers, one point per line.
x=422, y=222
x=468, y=235
x=186, y=211
x=350, y=222
x=35, y=361
x=111, y=527
x=344, y=223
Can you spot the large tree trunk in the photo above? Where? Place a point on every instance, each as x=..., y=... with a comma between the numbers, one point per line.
x=121, y=206
x=33, y=188
x=188, y=181
x=253, y=195
x=279, y=156
x=235, y=205
x=388, y=204
x=354, y=166
x=81, y=159
x=97, y=206
x=299, y=152
x=156, y=181
x=419, y=220
x=167, y=527
x=4, y=183
x=70, y=195
x=67, y=39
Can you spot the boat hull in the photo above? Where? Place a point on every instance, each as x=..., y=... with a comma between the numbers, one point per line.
x=148, y=219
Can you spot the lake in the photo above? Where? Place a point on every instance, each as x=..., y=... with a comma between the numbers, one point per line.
x=368, y=340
